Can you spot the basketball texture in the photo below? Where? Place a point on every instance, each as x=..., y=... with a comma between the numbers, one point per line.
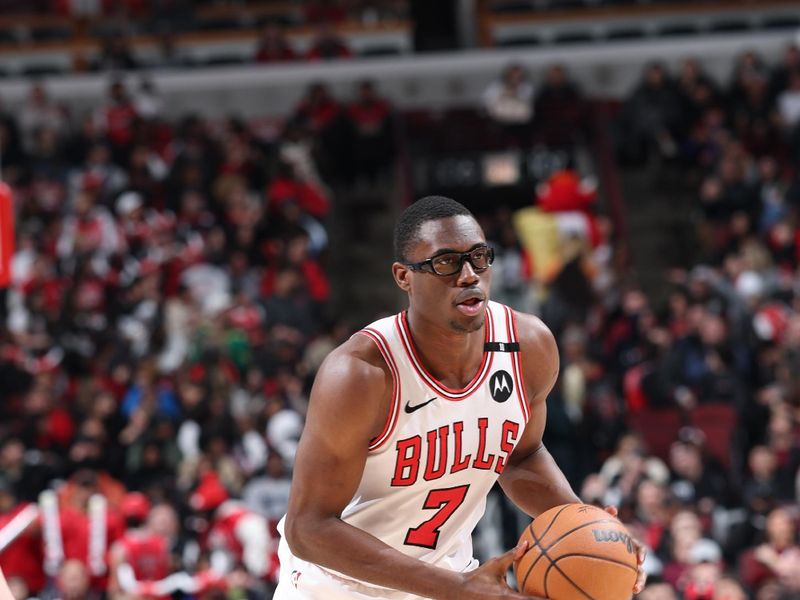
x=577, y=551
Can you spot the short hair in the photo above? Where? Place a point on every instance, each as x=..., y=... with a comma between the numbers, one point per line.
x=429, y=208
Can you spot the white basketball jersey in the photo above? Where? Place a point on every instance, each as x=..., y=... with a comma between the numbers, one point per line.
x=428, y=473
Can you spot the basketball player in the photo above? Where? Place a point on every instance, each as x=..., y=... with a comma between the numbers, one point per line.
x=412, y=421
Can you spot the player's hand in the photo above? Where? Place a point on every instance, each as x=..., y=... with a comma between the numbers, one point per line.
x=489, y=580
x=641, y=554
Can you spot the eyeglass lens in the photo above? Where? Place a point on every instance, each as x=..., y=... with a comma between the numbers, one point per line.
x=452, y=262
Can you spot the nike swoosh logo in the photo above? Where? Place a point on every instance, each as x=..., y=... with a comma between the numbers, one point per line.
x=410, y=409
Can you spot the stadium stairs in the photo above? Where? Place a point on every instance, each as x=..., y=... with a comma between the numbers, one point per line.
x=361, y=232
x=658, y=200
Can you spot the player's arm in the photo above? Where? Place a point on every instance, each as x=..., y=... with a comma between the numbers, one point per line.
x=532, y=479
x=349, y=405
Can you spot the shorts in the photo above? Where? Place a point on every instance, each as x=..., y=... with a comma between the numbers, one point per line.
x=301, y=580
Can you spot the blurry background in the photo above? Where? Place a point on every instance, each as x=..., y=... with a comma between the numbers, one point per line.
x=204, y=195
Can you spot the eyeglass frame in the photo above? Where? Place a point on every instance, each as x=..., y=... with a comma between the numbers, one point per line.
x=463, y=256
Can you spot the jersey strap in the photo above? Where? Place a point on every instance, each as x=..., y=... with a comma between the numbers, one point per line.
x=511, y=331
x=501, y=347
x=385, y=350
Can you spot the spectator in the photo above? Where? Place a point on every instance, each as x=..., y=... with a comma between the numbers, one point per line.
x=272, y=45
x=509, y=101
x=328, y=45
x=73, y=582
x=371, y=121
x=658, y=591
x=116, y=55
x=651, y=117
x=695, y=480
x=118, y=120
x=727, y=588
x=705, y=571
x=143, y=553
x=776, y=558
x=147, y=102
x=235, y=530
x=560, y=110
x=762, y=489
x=268, y=494
x=288, y=187
x=41, y=113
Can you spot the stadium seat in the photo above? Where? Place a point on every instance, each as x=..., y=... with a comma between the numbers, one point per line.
x=718, y=422
x=626, y=33
x=523, y=40
x=731, y=26
x=573, y=37
x=381, y=51
x=677, y=29
x=224, y=60
x=42, y=69
x=782, y=22
x=511, y=6
x=659, y=426
x=48, y=34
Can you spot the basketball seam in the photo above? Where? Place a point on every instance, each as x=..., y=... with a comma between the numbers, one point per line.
x=552, y=521
x=543, y=550
x=554, y=565
x=530, y=528
x=605, y=558
x=558, y=539
x=581, y=526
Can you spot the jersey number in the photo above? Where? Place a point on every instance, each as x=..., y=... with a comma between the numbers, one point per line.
x=447, y=500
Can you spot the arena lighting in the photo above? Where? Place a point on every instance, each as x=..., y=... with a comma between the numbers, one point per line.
x=492, y=169
x=501, y=168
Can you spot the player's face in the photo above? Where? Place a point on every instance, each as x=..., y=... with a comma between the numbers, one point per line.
x=456, y=301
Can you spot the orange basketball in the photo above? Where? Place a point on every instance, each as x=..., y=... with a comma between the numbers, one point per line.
x=577, y=551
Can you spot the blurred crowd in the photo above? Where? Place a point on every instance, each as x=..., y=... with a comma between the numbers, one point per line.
x=690, y=406
x=99, y=35
x=170, y=304
x=683, y=412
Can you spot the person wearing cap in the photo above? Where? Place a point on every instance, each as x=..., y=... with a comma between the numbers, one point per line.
x=89, y=524
x=705, y=570
x=696, y=480
x=144, y=552
x=236, y=534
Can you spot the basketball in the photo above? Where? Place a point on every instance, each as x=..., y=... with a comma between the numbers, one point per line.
x=577, y=551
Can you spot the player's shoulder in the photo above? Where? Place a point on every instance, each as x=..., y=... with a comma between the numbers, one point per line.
x=357, y=362
x=533, y=335
x=538, y=354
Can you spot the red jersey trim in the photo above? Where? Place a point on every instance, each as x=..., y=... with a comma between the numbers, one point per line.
x=391, y=420
x=447, y=393
x=511, y=326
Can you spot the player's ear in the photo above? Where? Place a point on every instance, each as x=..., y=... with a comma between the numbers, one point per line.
x=402, y=276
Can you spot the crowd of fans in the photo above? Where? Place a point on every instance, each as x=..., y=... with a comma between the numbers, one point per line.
x=717, y=504
x=139, y=34
x=169, y=307
x=683, y=413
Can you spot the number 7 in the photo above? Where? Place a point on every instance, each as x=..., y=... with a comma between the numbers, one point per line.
x=447, y=500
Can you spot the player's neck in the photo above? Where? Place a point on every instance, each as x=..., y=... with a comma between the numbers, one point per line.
x=451, y=357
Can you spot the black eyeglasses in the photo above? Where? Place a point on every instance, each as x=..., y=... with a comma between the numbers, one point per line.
x=450, y=263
